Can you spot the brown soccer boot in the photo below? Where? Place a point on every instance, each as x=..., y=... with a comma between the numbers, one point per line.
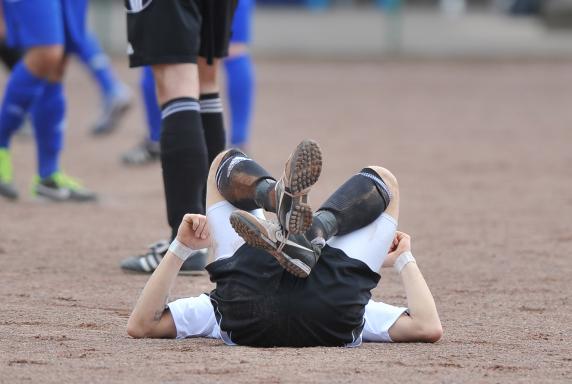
x=301, y=172
x=294, y=253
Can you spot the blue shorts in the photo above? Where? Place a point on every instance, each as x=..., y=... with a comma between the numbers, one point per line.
x=33, y=23
x=241, y=24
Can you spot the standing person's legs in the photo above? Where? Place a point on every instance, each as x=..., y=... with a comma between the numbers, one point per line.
x=211, y=107
x=184, y=157
x=115, y=95
x=166, y=36
x=215, y=37
x=240, y=76
x=369, y=243
x=152, y=111
x=148, y=150
x=48, y=117
x=36, y=26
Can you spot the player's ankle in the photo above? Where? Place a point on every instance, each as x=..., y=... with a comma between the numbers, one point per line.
x=265, y=196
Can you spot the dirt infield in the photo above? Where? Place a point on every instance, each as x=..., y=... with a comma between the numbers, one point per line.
x=482, y=153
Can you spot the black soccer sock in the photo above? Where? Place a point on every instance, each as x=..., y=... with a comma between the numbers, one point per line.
x=183, y=159
x=357, y=203
x=265, y=195
x=324, y=226
x=244, y=183
x=213, y=124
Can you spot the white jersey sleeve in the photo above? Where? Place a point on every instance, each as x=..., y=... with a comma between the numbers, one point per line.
x=194, y=317
x=379, y=317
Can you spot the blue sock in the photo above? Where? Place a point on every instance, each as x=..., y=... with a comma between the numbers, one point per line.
x=98, y=64
x=240, y=90
x=152, y=109
x=21, y=91
x=48, y=115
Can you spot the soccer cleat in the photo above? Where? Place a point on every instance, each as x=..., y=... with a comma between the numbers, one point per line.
x=112, y=112
x=146, y=152
x=294, y=253
x=62, y=188
x=148, y=262
x=7, y=188
x=300, y=172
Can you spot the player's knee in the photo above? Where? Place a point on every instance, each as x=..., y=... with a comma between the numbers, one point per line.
x=46, y=61
x=216, y=163
x=217, y=160
x=388, y=177
x=175, y=81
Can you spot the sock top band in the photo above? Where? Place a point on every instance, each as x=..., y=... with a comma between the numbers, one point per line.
x=211, y=105
x=208, y=96
x=179, y=105
x=377, y=180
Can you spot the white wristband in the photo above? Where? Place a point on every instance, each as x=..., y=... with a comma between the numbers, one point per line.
x=402, y=260
x=180, y=250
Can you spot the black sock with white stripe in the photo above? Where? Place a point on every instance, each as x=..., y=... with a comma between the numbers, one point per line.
x=183, y=159
x=357, y=203
x=213, y=124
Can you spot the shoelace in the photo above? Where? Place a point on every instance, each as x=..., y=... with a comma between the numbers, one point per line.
x=281, y=239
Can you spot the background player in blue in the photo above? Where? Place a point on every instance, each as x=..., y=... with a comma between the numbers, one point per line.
x=239, y=88
x=45, y=30
x=240, y=75
x=116, y=96
x=149, y=149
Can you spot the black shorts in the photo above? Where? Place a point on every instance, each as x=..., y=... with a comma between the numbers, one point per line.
x=257, y=303
x=178, y=31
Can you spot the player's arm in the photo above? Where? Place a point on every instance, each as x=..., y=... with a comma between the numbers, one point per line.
x=422, y=323
x=150, y=317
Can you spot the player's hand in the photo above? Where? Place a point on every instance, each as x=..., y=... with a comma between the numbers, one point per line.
x=401, y=243
x=194, y=231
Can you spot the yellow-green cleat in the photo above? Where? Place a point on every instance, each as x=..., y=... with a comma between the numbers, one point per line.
x=7, y=188
x=60, y=187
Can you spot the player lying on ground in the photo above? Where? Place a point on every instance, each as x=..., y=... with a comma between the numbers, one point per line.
x=304, y=281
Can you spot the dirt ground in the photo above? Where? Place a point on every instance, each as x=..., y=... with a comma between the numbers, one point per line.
x=482, y=153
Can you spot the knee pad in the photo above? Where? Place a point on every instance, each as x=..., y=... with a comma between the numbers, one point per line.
x=359, y=201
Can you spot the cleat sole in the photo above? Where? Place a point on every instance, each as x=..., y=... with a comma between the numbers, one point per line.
x=304, y=168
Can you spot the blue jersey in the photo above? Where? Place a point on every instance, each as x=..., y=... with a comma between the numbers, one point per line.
x=241, y=24
x=33, y=23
